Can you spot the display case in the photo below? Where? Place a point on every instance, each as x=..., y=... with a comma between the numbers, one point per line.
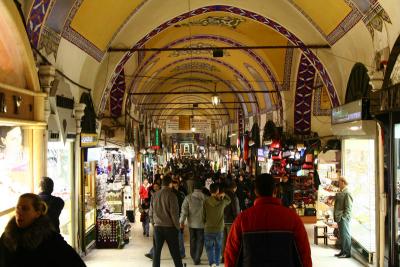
x=112, y=231
x=359, y=168
x=15, y=167
x=90, y=200
x=59, y=168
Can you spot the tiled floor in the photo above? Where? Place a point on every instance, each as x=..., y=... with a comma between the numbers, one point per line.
x=132, y=255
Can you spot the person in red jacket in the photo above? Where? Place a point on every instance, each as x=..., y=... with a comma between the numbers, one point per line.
x=267, y=234
x=144, y=190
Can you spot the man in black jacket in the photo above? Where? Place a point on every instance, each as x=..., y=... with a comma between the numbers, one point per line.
x=54, y=204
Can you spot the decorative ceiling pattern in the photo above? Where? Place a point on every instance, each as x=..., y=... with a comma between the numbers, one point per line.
x=303, y=98
x=338, y=18
x=93, y=26
x=75, y=31
x=117, y=95
x=35, y=20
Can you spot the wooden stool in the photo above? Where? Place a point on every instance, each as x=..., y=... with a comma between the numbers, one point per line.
x=324, y=234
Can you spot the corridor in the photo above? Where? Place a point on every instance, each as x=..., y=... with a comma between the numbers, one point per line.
x=132, y=254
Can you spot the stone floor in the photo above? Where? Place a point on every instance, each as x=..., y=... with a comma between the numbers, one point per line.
x=132, y=254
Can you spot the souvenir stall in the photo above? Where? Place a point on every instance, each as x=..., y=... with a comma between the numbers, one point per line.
x=297, y=162
x=112, y=178
x=361, y=150
x=328, y=171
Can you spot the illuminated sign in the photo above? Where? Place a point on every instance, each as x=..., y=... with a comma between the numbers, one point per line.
x=89, y=140
x=353, y=111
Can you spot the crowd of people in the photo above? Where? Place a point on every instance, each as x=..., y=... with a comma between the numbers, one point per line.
x=218, y=209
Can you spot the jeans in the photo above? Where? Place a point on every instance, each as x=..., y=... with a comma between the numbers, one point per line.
x=181, y=244
x=345, y=237
x=227, y=229
x=169, y=234
x=213, y=242
x=146, y=226
x=196, y=243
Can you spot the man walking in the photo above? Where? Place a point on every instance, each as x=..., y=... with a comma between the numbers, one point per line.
x=267, y=234
x=54, y=204
x=342, y=215
x=213, y=210
x=192, y=209
x=164, y=215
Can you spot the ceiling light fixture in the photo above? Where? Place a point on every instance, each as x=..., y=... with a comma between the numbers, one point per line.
x=215, y=98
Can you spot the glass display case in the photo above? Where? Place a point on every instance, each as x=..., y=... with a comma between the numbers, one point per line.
x=90, y=195
x=59, y=168
x=359, y=168
x=15, y=167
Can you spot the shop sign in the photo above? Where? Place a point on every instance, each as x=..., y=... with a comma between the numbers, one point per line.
x=390, y=99
x=349, y=112
x=89, y=140
x=260, y=159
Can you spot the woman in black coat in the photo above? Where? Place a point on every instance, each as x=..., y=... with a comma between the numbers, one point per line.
x=30, y=239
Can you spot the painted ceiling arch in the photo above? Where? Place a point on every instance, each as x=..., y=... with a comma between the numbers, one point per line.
x=253, y=22
x=248, y=108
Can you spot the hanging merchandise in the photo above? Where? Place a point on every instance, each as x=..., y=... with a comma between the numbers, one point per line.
x=246, y=146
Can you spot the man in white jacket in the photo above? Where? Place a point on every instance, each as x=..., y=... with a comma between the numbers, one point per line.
x=192, y=209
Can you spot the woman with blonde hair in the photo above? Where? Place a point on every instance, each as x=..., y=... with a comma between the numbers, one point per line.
x=31, y=240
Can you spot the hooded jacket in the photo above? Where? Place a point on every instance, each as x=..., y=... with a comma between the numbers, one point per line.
x=37, y=245
x=192, y=209
x=213, y=211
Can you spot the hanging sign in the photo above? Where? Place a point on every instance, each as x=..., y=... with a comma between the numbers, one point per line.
x=89, y=140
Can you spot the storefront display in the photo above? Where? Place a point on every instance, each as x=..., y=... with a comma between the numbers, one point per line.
x=112, y=231
x=15, y=167
x=59, y=168
x=359, y=167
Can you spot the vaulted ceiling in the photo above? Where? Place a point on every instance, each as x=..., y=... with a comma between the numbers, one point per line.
x=296, y=81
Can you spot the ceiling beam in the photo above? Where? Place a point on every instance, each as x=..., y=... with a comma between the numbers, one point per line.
x=161, y=49
x=205, y=93
x=189, y=108
x=189, y=103
x=173, y=115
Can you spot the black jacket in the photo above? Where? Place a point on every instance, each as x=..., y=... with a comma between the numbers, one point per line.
x=55, y=205
x=269, y=248
x=37, y=245
x=233, y=209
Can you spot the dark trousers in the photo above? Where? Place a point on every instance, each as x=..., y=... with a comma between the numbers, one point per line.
x=196, y=243
x=169, y=234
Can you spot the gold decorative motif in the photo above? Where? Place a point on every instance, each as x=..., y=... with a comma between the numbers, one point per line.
x=195, y=65
x=225, y=21
x=189, y=52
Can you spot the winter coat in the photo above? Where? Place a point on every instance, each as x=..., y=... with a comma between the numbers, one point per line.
x=343, y=205
x=164, y=208
x=268, y=234
x=55, y=206
x=213, y=212
x=192, y=209
x=144, y=191
x=233, y=209
x=37, y=245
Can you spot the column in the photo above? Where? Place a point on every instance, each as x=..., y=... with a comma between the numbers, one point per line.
x=46, y=76
x=78, y=197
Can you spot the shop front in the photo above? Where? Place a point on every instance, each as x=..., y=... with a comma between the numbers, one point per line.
x=387, y=112
x=361, y=157
x=60, y=156
x=22, y=120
